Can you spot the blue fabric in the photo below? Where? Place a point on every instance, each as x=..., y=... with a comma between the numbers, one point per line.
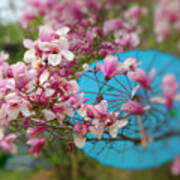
x=125, y=154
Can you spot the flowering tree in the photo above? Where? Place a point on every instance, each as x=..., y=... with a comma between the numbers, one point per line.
x=167, y=16
x=40, y=98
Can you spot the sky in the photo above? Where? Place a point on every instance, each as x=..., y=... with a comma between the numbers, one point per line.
x=8, y=15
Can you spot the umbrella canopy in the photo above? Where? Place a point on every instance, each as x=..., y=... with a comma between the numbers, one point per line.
x=162, y=125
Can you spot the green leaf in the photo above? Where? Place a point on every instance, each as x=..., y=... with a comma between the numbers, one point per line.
x=173, y=113
x=110, y=89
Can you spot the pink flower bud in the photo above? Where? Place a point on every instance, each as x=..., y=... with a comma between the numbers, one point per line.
x=140, y=76
x=133, y=108
x=37, y=145
x=36, y=131
x=109, y=68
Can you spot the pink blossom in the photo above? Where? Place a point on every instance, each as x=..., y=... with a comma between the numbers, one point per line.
x=28, y=43
x=135, y=12
x=52, y=47
x=108, y=48
x=112, y=25
x=34, y=132
x=21, y=75
x=3, y=57
x=158, y=100
x=99, y=112
x=76, y=101
x=140, y=76
x=49, y=115
x=130, y=64
x=39, y=97
x=6, y=86
x=7, y=70
x=133, y=108
x=56, y=43
x=91, y=111
x=110, y=2
x=37, y=145
x=62, y=111
x=94, y=5
x=109, y=68
x=3, y=112
x=169, y=89
x=7, y=144
x=102, y=118
x=101, y=108
x=96, y=111
x=114, y=128
x=103, y=121
x=175, y=169
x=135, y=90
x=127, y=38
x=26, y=121
x=40, y=3
x=17, y=105
x=47, y=34
x=167, y=17
x=27, y=16
x=81, y=131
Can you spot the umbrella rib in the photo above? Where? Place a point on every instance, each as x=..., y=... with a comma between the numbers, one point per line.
x=106, y=84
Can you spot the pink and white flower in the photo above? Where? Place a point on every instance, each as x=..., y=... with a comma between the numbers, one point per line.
x=114, y=128
x=140, y=76
x=17, y=105
x=37, y=145
x=34, y=132
x=7, y=145
x=3, y=57
x=133, y=108
x=169, y=89
x=81, y=131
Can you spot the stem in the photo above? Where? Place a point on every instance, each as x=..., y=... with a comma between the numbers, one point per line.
x=143, y=136
x=74, y=166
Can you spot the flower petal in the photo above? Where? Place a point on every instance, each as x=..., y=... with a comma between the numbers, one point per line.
x=44, y=77
x=54, y=59
x=79, y=140
x=68, y=55
x=62, y=31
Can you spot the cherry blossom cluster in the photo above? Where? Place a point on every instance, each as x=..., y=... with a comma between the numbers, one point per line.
x=40, y=99
x=129, y=67
x=167, y=16
x=92, y=31
x=37, y=98
x=51, y=49
x=33, y=96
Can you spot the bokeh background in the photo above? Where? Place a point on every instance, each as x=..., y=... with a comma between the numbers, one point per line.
x=56, y=163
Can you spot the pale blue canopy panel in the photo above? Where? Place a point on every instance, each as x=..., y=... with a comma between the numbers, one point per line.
x=125, y=151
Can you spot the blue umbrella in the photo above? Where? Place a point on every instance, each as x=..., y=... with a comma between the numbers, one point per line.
x=163, y=126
